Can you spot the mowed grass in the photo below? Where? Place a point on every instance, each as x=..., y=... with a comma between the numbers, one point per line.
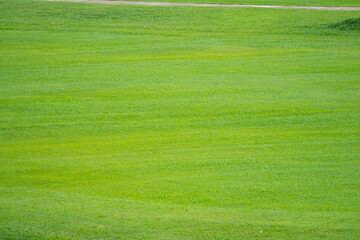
x=267, y=2
x=138, y=122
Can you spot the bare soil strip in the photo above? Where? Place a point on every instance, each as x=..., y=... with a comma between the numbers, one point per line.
x=208, y=5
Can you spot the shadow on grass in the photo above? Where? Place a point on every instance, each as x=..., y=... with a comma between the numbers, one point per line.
x=348, y=24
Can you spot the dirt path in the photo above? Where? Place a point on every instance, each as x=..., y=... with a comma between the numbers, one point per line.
x=207, y=5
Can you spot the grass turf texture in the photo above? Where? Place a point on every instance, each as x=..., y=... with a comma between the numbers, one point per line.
x=348, y=24
x=142, y=122
x=343, y=3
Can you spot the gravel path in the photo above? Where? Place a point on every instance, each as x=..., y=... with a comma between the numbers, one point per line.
x=207, y=5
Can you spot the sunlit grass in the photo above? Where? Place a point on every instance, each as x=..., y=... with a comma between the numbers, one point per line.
x=138, y=122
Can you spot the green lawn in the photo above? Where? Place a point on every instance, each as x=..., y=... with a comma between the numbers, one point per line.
x=268, y=2
x=138, y=122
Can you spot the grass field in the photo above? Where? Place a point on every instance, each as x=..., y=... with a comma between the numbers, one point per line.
x=344, y=3
x=138, y=122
